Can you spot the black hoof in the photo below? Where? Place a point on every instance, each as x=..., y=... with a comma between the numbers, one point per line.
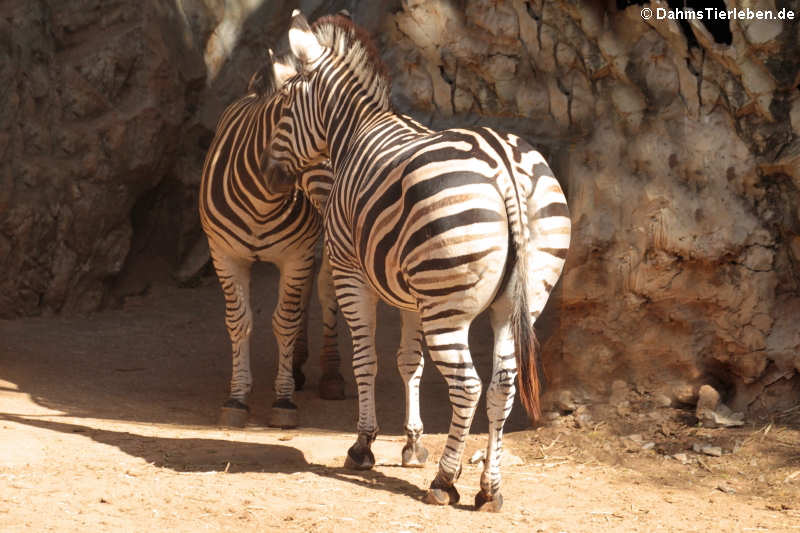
x=233, y=414
x=331, y=386
x=299, y=378
x=414, y=455
x=359, y=458
x=487, y=504
x=283, y=415
x=443, y=490
x=442, y=496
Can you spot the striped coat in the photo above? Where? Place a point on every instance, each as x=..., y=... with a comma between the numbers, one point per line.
x=244, y=223
x=440, y=224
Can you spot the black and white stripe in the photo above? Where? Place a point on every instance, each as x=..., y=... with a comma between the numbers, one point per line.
x=441, y=224
x=244, y=223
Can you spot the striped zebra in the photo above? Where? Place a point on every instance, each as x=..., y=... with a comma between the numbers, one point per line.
x=244, y=223
x=440, y=224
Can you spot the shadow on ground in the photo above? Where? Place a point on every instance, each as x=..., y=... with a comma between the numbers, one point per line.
x=164, y=357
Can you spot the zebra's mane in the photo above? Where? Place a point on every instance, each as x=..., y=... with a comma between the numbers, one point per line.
x=262, y=82
x=353, y=44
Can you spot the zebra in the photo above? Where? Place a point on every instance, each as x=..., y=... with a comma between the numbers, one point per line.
x=244, y=223
x=440, y=224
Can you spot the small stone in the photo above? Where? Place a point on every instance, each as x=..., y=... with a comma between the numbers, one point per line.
x=635, y=437
x=707, y=399
x=682, y=458
x=648, y=446
x=714, y=451
x=552, y=415
x=565, y=401
x=684, y=393
x=722, y=417
x=662, y=400
x=583, y=420
x=727, y=489
x=477, y=457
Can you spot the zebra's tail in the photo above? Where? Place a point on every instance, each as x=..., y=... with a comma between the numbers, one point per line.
x=525, y=343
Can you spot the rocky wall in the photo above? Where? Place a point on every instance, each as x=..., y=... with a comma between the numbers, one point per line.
x=680, y=154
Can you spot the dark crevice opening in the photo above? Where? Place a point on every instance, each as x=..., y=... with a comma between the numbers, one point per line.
x=718, y=27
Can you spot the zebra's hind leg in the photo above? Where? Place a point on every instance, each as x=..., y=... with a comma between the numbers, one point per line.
x=409, y=364
x=358, y=304
x=234, y=276
x=449, y=349
x=287, y=325
x=499, y=401
x=331, y=384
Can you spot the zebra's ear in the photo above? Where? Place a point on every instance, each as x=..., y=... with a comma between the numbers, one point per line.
x=283, y=69
x=302, y=41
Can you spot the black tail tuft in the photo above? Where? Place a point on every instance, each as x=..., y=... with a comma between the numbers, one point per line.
x=526, y=347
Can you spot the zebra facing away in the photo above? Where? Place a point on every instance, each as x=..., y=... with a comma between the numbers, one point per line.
x=441, y=224
x=245, y=223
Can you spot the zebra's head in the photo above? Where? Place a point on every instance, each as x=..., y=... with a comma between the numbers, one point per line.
x=298, y=139
x=279, y=178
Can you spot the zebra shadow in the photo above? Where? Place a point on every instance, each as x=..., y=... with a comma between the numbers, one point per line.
x=202, y=455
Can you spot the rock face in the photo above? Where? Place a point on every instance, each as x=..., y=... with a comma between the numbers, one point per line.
x=680, y=157
x=679, y=149
x=94, y=98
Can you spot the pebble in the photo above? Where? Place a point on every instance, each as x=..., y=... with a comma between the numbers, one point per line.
x=681, y=458
x=662, y=400
x=565, y=401
x=714, y=451
x=477, y=457
x=707, y=399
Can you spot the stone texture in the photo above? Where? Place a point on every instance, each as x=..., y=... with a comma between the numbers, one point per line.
x=94, y=97
x=678, y=154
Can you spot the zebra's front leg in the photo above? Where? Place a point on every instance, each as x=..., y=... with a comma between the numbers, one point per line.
x=331, y=384
x=499, y=401
x=410, y=364
x=300, y=352
x=234, y=277
x=448, y=346
x=287, y=325
x=358, y=304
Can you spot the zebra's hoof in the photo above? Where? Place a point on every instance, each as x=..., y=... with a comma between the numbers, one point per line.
x=359, y=458
x=233, y=414
x=442, y=496
x=283, y=415
x=484, y=504
x=414, y=455
x=331, y=386
x=299, y=379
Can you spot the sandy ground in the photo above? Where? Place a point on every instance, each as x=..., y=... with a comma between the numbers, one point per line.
x=107, y=423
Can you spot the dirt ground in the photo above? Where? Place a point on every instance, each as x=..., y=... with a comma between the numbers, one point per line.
x=107, y=423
